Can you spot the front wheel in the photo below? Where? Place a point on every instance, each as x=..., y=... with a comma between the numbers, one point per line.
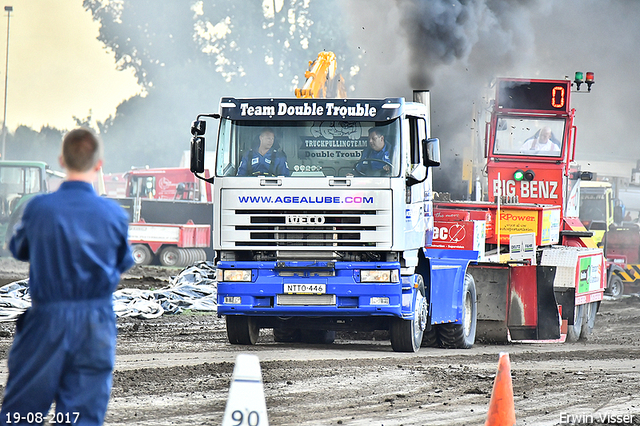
x=590, y=320
x=170, y=256
x=141, y=254
x=615, y=288
x=463, y=335
x=574, y=330
x=242, y=330
x=406, y=335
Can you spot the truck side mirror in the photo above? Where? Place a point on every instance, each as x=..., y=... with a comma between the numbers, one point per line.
x=198, y=127
x=431, y=152
x=197, y=154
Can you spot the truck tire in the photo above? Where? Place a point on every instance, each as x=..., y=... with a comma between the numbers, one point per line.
x=190, y=256
x=463, y=335
x=406, y=335
x=242, y=330
x=323, y=337
x=170, y=256
x=615, y=287
x=141, y=254
x=574, y=330
x=430, y=338
x=185, y=257
x=590, y=320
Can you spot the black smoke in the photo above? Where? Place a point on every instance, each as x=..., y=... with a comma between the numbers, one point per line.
x=456, y=48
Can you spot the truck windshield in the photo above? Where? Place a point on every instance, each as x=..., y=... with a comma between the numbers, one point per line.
x=15, y=183
x=593, y=207
x=542, y=137
x=308, y=148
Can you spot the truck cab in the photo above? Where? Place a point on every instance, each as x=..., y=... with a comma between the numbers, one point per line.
x=171, y=183
x=597, y=209
x=320, y=233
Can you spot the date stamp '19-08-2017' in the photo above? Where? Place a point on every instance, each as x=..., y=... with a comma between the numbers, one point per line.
x=38, y=418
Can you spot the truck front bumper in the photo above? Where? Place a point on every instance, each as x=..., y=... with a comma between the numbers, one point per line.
x=320, y=289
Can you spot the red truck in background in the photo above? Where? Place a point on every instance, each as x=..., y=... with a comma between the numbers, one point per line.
x=170, y=214
x=174, y=245
x=174, y=183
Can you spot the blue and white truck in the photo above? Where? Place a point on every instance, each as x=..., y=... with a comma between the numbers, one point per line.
x=340, y=242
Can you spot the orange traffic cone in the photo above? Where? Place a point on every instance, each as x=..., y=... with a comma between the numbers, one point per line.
x=501, y=410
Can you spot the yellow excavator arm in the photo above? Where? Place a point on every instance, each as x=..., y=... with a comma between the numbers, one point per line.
x=322, y=80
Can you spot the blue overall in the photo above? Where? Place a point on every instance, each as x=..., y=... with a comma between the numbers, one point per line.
x=374, y=166
x=64, y=347
x=274, y=162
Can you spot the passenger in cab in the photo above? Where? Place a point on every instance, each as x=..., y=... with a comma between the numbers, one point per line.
x=264, y=159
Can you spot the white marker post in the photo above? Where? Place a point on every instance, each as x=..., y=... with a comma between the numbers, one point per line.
x=246, y=405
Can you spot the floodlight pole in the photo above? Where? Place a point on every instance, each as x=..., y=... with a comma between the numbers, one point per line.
x=7, y=9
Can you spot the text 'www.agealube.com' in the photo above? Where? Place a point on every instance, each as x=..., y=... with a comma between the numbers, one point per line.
x=248, y=199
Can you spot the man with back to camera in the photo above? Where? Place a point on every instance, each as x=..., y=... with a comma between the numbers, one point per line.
x=379, y=150
x=542, y=142
x=64, y=346
x=264, y=159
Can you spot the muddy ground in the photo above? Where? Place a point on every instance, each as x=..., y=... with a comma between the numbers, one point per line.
x=176, y=370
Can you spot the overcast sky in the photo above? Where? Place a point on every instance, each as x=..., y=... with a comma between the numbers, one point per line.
x=57, y=67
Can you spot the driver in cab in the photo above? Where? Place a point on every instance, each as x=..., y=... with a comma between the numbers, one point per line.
x=264, y=159
x=376, y=158
x=542, y=141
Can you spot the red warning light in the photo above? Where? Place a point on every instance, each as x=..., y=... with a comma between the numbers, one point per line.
x=589, y=80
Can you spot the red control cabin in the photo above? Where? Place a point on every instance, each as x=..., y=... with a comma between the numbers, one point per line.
x=533, y=190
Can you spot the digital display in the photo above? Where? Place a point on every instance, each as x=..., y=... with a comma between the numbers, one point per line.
x=534, y=95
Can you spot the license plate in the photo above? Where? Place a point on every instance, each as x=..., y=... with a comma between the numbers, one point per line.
x=305, y=288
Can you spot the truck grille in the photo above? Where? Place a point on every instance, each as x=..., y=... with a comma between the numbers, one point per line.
x=307, y=228
x=265, y=228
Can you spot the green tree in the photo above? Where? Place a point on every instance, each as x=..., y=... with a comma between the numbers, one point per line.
x=28, y=144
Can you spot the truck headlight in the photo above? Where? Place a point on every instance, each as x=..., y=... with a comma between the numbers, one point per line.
x=379, y=276
x=237, y=275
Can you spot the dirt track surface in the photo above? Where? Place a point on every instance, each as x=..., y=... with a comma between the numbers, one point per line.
x=176, y=370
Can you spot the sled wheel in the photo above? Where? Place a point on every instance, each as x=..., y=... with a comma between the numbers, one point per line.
x=242, y=330
x=615, y=288
x=590, y=320
x=406, y=335
x=574, y=331
x=141, y=254
x=463, y=335
x=170, y=256
x=323, y=337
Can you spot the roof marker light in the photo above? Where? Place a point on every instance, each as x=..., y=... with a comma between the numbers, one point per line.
x=590, y=79
x=579, y=79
